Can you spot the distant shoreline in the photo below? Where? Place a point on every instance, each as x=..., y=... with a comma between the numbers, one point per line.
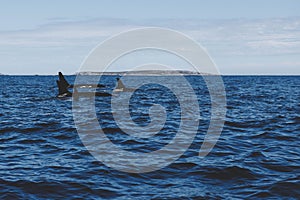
x=113, y=74
x=149, y=73
x=145, y=73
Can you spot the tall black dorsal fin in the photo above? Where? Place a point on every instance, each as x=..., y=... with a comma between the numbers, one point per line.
x=63, y=81
x=62, y=89
x=120, y=84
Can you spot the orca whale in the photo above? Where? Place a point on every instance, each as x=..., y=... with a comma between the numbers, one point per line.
x=65, y=83
x=63, y=91
x=122, y=88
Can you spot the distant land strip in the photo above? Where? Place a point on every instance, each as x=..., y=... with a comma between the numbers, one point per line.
x=145, y=73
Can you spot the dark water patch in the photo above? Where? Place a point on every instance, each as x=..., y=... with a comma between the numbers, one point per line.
x=231, y=173
x=279, y=168
x=30, y=130
x=111, y=130
x=8, y=130
x=246, y=124
x=67, y=190
x=47, y=124
x=63, y=137
x=271, y=135
x=184, y=166
x=286, y=189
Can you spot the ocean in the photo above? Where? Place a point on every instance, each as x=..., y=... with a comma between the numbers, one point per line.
x=257, y=155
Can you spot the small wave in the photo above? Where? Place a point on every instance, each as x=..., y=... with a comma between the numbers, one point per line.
x=257, y=154
x=296, y=120
x=31, y=141
x=261, y=194
x=274, y=136
x=47, y=124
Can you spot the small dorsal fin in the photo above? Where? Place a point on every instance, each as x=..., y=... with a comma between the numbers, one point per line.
x=120, y=84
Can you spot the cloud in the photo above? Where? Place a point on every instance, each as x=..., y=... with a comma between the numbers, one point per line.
x=251, y=37
x=69, y=41
x=64, y=33
x=266, y=36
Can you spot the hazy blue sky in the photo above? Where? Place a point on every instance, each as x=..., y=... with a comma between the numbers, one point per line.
x=243, y=37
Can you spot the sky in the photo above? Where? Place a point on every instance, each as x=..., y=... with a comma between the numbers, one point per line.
x=242, y=37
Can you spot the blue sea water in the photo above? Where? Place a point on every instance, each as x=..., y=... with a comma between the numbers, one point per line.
x=257, y=155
